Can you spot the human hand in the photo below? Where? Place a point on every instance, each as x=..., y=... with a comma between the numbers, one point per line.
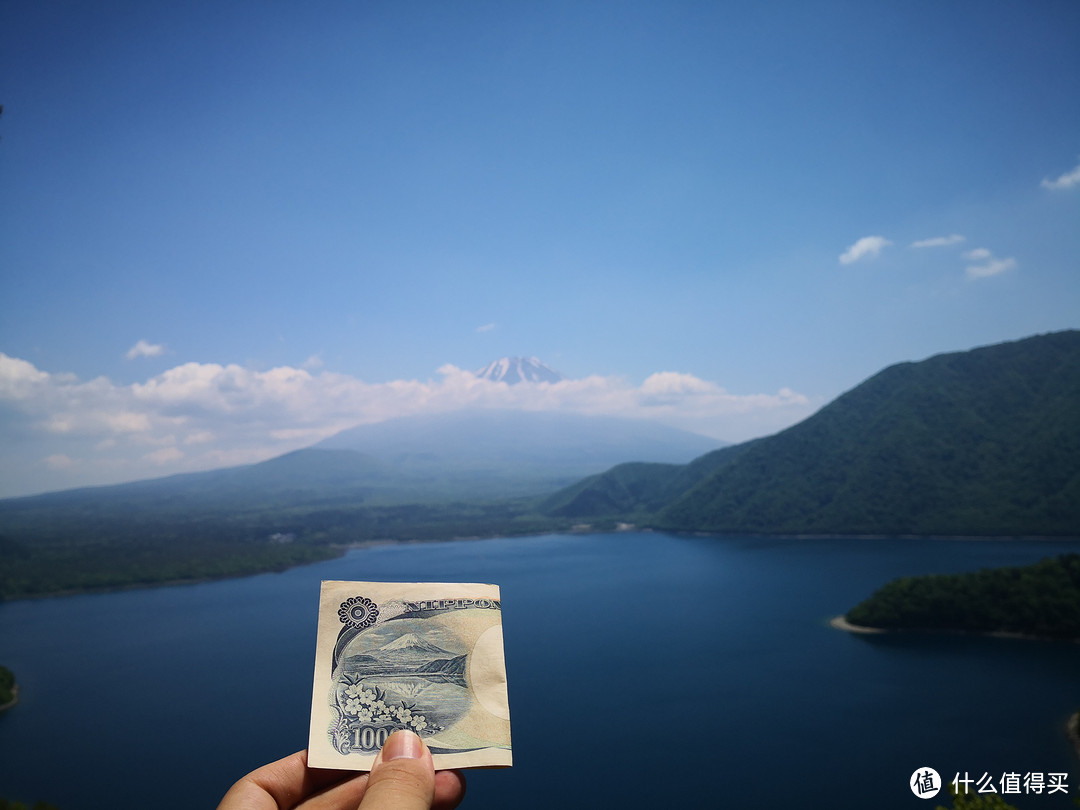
x=402, y=778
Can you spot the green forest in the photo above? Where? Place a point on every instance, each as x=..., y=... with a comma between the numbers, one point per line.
x=7, y=686
x=1041, y=600
x=96, y=549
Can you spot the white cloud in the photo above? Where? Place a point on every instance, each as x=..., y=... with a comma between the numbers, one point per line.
x=665, y=384
x=58, y=461
x=867, y=247
x=227, y=414
x=313, y=362
x=993, y=267
x=939, y=241
x=1065, y=181
x=199, y=437
x=144, y=349
x=989, y=264
x=19, y=379
x=487, y=327
x=164, y=456
x=128, y=422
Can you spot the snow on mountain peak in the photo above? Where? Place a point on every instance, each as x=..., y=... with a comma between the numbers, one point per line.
x=512, y=370
x=412, y=642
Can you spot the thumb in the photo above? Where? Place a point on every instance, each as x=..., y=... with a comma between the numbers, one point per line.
x=402, y=776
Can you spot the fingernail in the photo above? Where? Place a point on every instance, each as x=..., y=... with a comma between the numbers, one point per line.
x=403, y=745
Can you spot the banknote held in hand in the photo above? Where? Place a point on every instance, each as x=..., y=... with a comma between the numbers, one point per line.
x=422, y=656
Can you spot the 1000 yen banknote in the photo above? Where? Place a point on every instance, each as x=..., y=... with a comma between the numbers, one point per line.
x=422, y=656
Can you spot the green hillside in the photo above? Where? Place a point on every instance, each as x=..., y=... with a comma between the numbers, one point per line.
x=985, y=442
x=636, y=490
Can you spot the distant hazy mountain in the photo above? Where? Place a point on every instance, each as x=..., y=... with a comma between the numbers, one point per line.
x=518, y=369
x=475, y=455
x=455, y=475
x=505, y=446
x=982, y=442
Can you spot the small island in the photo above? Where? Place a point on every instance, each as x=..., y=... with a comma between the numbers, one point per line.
x=1033, y=601
x=9, y=690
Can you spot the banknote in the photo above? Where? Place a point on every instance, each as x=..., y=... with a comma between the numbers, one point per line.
x=422, y=656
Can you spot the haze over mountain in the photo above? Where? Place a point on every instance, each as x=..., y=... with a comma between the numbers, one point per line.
x=540, y=446
x=982, y=442
x=475, y=455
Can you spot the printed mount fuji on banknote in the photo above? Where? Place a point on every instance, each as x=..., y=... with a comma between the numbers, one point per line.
x=422, y=656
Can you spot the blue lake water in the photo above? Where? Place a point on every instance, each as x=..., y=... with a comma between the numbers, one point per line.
x=645, y=670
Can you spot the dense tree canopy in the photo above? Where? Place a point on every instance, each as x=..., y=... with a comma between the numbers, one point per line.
x=7, y=685
x=1037, y=600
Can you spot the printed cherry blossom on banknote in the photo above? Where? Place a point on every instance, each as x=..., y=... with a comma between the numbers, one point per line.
x=423, y=656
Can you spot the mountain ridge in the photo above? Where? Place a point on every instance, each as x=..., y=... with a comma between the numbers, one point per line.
x=981, y=442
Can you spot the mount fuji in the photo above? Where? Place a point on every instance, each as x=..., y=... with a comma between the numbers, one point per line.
x=442, y=474
x=411, y=642
x=513, y=370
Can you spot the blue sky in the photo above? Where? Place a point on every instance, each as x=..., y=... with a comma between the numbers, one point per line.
x=232, y=228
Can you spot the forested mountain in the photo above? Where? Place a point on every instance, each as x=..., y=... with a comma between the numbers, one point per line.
x=636, y=490
x=984, y=442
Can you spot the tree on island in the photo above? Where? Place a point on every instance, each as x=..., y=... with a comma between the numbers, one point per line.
x=1036, y=600
x=7, y=690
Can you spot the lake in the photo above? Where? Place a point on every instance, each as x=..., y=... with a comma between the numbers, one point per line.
x=644, y=670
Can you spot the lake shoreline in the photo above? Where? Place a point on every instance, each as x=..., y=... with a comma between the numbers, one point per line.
x=841, y=623
x=340, y=551
x=584, y=528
